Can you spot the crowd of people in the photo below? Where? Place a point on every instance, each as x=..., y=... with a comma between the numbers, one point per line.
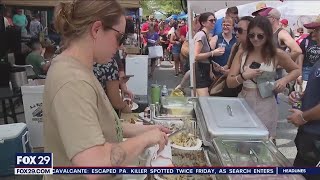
x=259, y=56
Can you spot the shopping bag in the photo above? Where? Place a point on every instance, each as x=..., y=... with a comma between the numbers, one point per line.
x=155, y=51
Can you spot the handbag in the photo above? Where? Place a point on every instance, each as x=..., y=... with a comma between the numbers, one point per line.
x=217, y=86
x=185, y=49
x=155, y=51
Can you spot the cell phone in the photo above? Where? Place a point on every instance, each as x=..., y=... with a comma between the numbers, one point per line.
x=255, y=65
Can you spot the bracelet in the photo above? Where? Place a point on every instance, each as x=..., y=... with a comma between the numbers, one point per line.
x=211, y=53
x=242, y=77
x=303, y=119
x=237, y=80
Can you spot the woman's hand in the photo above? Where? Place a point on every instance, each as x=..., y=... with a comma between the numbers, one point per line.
x=280, y=85
x=156, y=136
x=217, y=52
x=251, y=73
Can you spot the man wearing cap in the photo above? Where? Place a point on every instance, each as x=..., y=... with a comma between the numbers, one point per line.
x=310, y=52
x=231, y=12
x=308, y=118
x=281, y=37
x=284, y=25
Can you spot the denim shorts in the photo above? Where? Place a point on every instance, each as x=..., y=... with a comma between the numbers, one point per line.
x=305, y=73
x=176, y=49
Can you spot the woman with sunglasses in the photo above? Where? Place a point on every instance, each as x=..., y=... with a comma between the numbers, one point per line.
x=260, y=57
x=80, y=125
x=241, y=35
x=204, y=54
x=223, y=41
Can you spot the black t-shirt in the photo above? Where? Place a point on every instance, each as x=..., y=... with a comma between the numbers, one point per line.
x=311, y=99
x=311, y=52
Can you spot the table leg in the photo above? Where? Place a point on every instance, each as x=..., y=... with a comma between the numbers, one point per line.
x=13, y=111
x=4, y=111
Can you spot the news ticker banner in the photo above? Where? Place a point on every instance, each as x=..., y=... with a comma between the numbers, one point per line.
x=42, y=164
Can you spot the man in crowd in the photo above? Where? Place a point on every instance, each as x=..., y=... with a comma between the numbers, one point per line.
x=281, y=37
x=310, y=54
x=36, y=60
x=308, y=118
x=231, y=12
x=35, y=26
x=259, y=7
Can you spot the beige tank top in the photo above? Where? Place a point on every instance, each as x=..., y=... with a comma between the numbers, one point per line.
x=264, y=67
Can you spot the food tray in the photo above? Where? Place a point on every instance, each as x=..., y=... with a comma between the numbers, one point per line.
x=182, y=158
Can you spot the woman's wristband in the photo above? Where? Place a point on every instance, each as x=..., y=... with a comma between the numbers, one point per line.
x=237, y=80
x=211, y=53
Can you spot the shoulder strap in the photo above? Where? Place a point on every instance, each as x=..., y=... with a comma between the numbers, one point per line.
x=233, y=53
x=207, y=39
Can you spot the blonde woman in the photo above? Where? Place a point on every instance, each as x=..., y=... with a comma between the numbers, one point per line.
x=80, y=126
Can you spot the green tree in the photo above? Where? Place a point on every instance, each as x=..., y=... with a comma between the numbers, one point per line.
x=166, y=7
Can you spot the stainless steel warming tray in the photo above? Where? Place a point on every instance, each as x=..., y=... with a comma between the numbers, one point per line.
x=228, y=118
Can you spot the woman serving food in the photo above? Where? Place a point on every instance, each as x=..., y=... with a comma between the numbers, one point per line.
x=80, y=126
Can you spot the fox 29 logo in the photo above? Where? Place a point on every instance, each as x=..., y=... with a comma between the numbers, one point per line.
x=34, y=160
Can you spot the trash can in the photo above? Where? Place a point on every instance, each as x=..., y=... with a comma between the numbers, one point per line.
x=32, y=103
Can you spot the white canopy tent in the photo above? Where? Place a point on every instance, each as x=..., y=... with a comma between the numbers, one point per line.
x=297, y=13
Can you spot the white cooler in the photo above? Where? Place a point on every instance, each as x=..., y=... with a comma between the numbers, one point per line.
x=32, y=103
x=14, y=138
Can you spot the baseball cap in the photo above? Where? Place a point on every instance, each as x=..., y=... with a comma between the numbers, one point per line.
x=259, y=7
x=314, y=24
x=284, y=21
x=272, y=12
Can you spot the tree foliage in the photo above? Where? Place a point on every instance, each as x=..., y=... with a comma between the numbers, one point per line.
x=166, y=7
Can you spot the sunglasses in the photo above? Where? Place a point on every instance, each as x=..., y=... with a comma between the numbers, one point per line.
x=239, y=30
x=120, y=38
x=212, y=20
x=259, y=36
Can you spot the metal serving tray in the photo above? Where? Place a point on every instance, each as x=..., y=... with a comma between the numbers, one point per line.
x=228, y=118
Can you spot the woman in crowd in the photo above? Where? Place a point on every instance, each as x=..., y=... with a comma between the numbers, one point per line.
x=164, y=41
x=152, y=40
x=204, y=54
x=223, y=41
x=80, y=126
x=260, y=49
x=241, y=35
x=176, y=41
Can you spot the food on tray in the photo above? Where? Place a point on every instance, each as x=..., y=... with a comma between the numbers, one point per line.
x=187, y=158
x=184, y=139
